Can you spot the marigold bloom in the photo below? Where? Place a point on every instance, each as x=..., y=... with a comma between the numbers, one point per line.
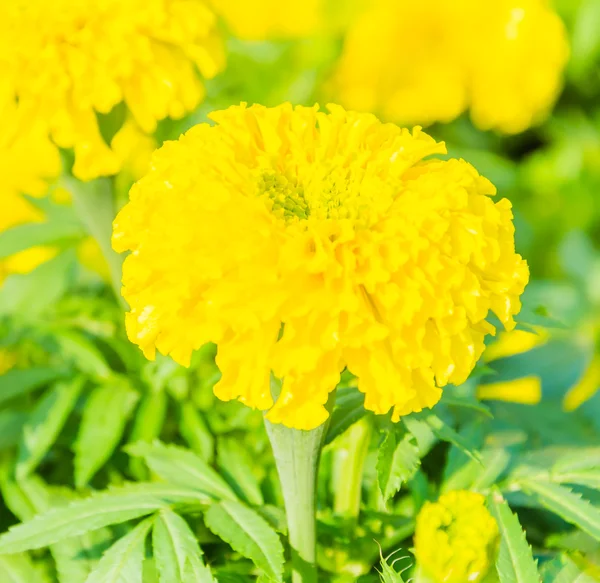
x=27, y=160
x=455, y=538
x=71, y=59
x=422, y=62
x=301, y=243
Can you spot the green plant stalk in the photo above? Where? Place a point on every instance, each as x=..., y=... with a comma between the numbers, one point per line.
x=349, y=467
x=297, y=454
x=93, y=201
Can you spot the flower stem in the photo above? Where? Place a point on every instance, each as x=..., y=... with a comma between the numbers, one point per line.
x=297, y=456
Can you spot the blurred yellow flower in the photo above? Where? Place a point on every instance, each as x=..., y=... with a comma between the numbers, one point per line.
x=27, y=160
x=71, y=59
x=7, y=360
x=514, y=342
x=455, y=538
x=585, y=388
x=422, y=62
x=301, y=243
x=526, y=391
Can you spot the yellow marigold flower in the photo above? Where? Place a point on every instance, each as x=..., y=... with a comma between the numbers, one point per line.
x=27, y=160
x=72, y=59
x=585, y=388
x=455, y=538
x=514, y=342
x=422, y=62
x=526, y=391
x=303, y=242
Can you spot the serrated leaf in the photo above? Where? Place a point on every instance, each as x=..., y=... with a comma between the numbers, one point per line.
x=44, y=425
x=515, y=562
x=179, y=466
x=388, y=574
x=74, y=557
x=106, y=412
x=397, y=461
x=566, y=503
x=444, y=432
x=111, y=507
x=248, y=534
x=349, y=408
x=196, y=433
x=16, y=383
x=237, y=470
x=18, y=569
x=123, y=562
x=176, y=551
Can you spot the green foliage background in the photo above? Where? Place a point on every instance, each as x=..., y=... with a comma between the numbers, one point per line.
x=133, y=467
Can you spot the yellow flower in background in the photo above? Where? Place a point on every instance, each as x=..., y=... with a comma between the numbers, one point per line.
x=514, y=342
x=303, y=242
x=274, y=19
x=455, y=538
x=430, y=61
x=406, y=61
x=585, y=388
x=526, y=391
x=72, y=59
x=517, y=62
x=7, y=360
x=27, y=160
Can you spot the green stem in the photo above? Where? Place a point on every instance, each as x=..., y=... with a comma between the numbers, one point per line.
x=94, y=204
x=297, y=456
x=349, y=465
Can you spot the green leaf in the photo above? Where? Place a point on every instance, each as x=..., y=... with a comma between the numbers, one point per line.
x=11, y=425
x=123, y=562
x=397, y=462
x=104, y=417
x=46, y=422
x=29, y=235
x=149, y=418
x=196, y=433
x=16, y=383
x=388, y=574
x=564, y=570
x=83, y=353
x=28, y=295
x=444, y=432
x=566, y=503
x=236, y=468
x=349, y=408
x=74, y=557
x=179, y=466
x=515, y=562
x=18, y=569
x=176, y=551
x=248, y=534
x=111, y=507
